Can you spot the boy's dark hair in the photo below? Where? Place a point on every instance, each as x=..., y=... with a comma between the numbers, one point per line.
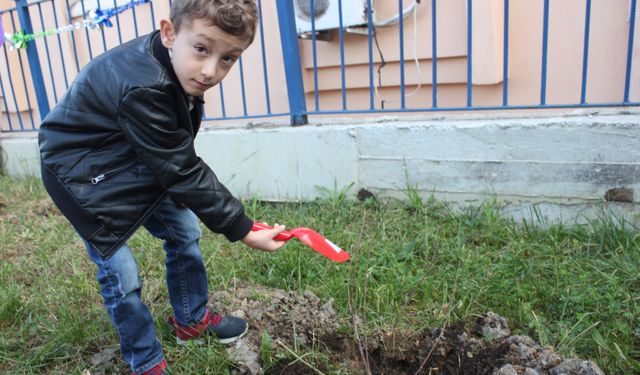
x=235, y=17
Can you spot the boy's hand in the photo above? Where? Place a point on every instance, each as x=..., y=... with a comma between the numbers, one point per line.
x=263, y=239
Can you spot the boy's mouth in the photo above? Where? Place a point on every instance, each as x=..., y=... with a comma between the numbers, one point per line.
x=202, y=85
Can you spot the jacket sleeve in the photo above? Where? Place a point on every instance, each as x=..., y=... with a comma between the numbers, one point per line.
x=149, y=121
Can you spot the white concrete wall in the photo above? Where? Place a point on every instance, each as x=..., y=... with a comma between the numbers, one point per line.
x=20, y=156
x=562, y=165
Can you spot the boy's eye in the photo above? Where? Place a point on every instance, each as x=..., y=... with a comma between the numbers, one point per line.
x=200, y=49
x=229, y=59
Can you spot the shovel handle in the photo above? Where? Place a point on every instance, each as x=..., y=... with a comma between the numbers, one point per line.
x=283, y=236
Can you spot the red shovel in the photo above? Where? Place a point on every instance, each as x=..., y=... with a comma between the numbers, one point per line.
x=310, y=238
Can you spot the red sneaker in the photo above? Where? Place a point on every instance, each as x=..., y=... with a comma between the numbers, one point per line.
x=156, y=370
x=227, y=329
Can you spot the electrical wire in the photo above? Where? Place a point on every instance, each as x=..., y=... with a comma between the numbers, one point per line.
x=415, y=53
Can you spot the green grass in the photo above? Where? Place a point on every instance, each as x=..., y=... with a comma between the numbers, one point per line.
x=414, y=265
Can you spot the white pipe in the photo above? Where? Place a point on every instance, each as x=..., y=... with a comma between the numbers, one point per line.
x=395, y=19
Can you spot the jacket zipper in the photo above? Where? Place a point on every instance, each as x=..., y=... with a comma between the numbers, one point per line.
x=95, y=180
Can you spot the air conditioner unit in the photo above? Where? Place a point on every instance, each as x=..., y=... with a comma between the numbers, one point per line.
x=354, y=13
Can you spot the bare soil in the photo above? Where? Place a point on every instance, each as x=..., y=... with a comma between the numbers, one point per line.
x=295, y=320
x=303, y=321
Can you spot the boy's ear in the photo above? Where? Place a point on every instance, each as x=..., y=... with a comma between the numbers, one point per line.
x=167, y=33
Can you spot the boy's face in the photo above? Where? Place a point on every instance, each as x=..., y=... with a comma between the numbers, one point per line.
x=202, y=54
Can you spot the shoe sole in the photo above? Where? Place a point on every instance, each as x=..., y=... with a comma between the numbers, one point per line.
x=200, y=341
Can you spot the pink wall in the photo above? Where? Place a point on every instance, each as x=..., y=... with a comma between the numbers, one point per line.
x=607, y=56
x=606, y=74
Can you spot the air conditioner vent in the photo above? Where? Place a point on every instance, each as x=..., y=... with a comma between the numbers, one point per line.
x=304, y=9
x=327, y=14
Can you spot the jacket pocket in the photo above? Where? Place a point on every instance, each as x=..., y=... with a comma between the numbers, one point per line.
x=112, y=172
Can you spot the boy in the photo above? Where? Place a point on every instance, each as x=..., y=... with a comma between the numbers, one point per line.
x=118, y=153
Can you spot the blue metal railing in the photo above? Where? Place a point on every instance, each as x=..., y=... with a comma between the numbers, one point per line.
x=470, y=53
x=292, y=65
x=632, y=27
x=505, y=56
x=343, y=79
x=585, y=53
x=370, y=44
x=545, y=49
x=542, y=103
x=19, y=84
x=434, y=53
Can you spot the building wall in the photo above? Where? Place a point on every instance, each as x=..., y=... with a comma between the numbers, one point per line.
x=606, y=71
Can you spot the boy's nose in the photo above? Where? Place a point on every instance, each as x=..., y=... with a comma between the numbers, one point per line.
x=209, y=69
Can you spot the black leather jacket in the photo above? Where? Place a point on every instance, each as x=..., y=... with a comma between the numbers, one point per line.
x=120, y=139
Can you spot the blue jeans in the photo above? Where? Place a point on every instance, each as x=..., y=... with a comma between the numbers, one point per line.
x=120, y=284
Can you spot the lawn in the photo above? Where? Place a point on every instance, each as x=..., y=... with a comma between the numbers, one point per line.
x=415, y=264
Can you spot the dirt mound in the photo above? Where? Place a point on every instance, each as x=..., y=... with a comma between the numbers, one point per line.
x=288, y=319
x=293, y=323
x=294, y=320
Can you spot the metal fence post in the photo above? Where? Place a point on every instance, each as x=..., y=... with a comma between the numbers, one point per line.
x=34, y=61
x=292, y=65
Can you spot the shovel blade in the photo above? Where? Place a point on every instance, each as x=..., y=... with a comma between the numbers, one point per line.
x=312, y=239
x=320, y=244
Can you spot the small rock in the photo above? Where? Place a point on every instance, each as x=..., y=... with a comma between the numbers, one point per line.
x=548, y=358
x=104, y=356
x=506, y=370
x=315, y=300
x=493, y=326
x=525, y=352
x=576, y=367
x=278, y=294
x=328, y=307
x=518, y=339
x=243, y=354
x=239, y=313
x=364, y=194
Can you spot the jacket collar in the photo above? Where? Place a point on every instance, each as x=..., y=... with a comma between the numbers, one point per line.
x=161, y=54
